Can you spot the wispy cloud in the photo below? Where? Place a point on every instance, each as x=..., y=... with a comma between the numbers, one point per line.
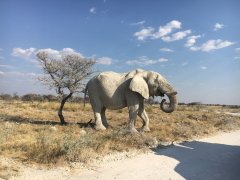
x=138, y=23
x=105, y=61
x=145, y=61
x=58, y=54
x=93, y=10
x=167, y=29
x=237, y=50
x=23, y=53
x=203, y=67
x=218, y=26
x=150, y=33
x=212, y=45
x=176, y=36
x=191, y=40
x=1, y=57
x=144, y=33
x=19, y=74
x=162, y=60
x=166, y=50
x=184, y=64
x=5, y=66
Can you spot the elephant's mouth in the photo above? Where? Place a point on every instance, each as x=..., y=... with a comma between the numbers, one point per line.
x=159, y=93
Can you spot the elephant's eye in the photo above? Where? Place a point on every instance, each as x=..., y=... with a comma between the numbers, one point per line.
x=159, y=93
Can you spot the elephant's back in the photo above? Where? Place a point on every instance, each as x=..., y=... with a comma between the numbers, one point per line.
x=110, y=87
x=109, y=78
x=110, y=82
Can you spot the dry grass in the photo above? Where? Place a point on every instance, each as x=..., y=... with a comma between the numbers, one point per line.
x=31, y=132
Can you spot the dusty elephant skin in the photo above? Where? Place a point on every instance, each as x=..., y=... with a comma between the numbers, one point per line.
x=110, y=90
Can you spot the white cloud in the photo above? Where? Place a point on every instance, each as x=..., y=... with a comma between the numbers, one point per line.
x=58, y=54
x=23, y=53
x=162, y=60
x=93, y=10
x=192, y=40
x=150, y=33
x=176, y=36
x=19, y=74
x=166, y=50
x=104, y=61
x=144, y=33
x=167, y=29
x=203, y=67
x=6, y=66
x=145, y=61
x=1, y=57
x=1, y=73
x=184, y=63
x=218, y=26
x=67, y=51
x=138, y=23
x=212, y=45
x=237, y=50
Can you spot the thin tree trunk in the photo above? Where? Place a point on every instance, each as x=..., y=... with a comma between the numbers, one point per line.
x=64, y=99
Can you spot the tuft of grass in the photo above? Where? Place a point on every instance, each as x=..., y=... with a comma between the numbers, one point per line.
x=50, y=146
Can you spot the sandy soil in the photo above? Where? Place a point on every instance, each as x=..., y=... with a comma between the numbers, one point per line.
x=215, y=157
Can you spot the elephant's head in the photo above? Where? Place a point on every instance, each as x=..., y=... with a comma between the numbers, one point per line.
x=153, y=84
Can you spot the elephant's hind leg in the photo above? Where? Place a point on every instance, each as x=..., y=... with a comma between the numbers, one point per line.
x=98, y=121
x=97, y=110
x=103, y=117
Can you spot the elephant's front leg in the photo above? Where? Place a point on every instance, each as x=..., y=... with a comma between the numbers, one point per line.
x=143, y=115
x=133, y=111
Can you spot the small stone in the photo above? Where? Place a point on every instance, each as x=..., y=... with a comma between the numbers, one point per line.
x=53, y=128
x=83, y=132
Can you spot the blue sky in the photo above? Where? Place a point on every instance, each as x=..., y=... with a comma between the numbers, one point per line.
x=194, y=44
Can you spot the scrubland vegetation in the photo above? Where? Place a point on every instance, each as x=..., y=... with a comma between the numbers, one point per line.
x=30, y=131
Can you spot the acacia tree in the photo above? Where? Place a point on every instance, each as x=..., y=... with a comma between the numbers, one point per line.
x=65, y=73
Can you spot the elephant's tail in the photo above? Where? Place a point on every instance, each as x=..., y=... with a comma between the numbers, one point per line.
x=84, y=100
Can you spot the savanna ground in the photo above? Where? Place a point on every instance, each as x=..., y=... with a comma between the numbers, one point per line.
x=30, y=132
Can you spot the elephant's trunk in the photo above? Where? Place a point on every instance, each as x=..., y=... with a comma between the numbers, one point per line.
x=172, y=105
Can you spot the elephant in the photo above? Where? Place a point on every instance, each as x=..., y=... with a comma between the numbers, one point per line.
x=111, y=90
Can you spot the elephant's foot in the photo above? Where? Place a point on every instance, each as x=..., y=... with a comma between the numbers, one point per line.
x=133, y=130
x=100, y=127
x=145, y=129
x=105, y=125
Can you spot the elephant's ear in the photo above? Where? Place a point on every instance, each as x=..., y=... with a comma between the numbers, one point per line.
x=139, y=85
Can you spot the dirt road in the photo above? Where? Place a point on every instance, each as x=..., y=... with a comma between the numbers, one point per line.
x=215, y=157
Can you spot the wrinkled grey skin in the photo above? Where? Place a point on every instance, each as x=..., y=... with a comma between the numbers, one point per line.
x=110, y=90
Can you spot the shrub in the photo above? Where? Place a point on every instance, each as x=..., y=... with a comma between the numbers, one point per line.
x=6, y=97
x=50, y=98
x=32, y=97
